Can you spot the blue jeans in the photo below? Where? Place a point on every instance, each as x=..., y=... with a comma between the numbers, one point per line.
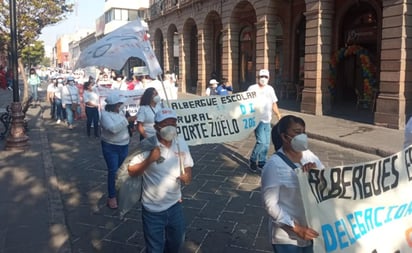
x=259, y=153
x=114, y=156
x=287, y=248
x=92, y=114
x=60, y=113
x=164, y=232
x=33, y=89
x=69, y=114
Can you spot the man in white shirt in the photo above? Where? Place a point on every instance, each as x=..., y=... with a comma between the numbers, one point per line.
x=267, y=96
x=164, y=169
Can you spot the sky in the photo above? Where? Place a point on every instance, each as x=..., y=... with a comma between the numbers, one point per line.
x=87, y=13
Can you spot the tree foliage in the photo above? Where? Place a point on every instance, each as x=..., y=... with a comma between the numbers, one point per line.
x=33, y=54
x=31, y=17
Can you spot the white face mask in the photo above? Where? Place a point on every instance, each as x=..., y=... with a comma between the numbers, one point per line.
x=263, y=81
x=156, y=99
x=168, y=133
x=300, y=142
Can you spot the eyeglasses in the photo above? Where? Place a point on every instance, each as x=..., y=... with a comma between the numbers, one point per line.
x=264, y=77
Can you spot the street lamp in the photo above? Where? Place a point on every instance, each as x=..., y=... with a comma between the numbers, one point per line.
x=17, y=138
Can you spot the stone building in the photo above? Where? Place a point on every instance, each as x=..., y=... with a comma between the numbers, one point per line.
x=323, y=53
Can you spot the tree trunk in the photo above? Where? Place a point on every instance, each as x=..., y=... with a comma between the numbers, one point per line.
x=24, y=77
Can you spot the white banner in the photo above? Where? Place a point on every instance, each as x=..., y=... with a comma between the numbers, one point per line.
x=361, y=208
x=217, y=119
x=114, y=49
x=213, y=119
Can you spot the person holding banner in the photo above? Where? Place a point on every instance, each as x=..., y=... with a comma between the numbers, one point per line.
x=164, y=169
x=115, y=141
x=280, y=187
x=149, y=105
x=269, y=99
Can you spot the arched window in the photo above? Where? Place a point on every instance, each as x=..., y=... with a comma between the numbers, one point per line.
x=247, y=57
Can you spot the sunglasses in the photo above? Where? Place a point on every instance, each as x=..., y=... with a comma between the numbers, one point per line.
x=264, y=77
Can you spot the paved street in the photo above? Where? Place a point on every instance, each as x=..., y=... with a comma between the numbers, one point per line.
x=222, y=204
x=57, y=191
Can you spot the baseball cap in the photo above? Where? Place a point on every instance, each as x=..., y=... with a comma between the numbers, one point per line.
x=213, y=81
x=165, y=113
x=114, y=98
x=264, y=72
x=70, y=78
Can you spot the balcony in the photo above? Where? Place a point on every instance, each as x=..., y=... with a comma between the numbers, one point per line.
x=163, y=7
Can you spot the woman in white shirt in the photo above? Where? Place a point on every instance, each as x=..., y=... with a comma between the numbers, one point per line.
x=91, y=101
x=280, y=187
x=149, y=105
x=115, y=141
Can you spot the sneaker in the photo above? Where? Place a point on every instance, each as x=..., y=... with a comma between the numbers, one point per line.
x=253, y=167
x=58, y=121
x=70, y=127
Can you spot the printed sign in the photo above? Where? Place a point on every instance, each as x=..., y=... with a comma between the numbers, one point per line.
x=217, y=119
x=361, y=208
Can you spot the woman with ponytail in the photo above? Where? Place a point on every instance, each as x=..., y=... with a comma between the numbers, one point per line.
x=280, y=187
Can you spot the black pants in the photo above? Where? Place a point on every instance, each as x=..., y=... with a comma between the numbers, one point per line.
x=92, y=114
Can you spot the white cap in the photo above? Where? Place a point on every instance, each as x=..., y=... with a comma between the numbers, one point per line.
x=264, y=72
x=114, y=98
x=213, y=81
x=165, y=113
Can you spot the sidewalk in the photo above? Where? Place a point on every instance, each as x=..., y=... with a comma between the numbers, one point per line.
x=45, y=199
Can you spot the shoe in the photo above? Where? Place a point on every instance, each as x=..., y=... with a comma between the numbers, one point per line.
x=70, y=127
x=10, y=88
x=112, y=203
x=58, y=121
x=253, y=167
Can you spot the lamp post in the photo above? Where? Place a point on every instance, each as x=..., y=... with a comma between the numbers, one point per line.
x=17, y=138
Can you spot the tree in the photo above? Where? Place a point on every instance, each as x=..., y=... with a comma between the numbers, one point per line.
x=32, y=17
x=33, y=54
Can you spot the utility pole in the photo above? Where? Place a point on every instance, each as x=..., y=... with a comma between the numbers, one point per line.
x=17, y=139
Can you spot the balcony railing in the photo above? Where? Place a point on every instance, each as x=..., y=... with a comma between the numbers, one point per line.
x=163, y=7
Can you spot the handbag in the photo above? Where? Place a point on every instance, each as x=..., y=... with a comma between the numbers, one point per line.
x=74, y=105
x=130, y=189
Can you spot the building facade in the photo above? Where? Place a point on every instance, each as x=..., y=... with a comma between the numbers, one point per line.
x=323, y=53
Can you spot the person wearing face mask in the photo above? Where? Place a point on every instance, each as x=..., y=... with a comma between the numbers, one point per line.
x=34, y=82
x=70, y=98
x=149, y=105
x=60, y=111
x=280, y=187
x=164, y=169
x=268, y=98
x=115, y=140
x=91, y=101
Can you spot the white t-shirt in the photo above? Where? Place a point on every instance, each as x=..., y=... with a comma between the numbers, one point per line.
x=267, y=96
x=161, y=188
x=146, y=116
x=282, y=198
x=92, y=97
x=58, y=91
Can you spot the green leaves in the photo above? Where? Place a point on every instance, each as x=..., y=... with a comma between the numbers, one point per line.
x=32, y=17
